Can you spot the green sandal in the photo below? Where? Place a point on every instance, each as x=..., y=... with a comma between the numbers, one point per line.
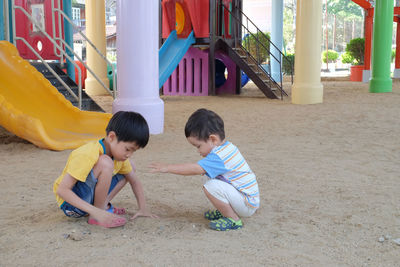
x=213, y=215
x=224, y=224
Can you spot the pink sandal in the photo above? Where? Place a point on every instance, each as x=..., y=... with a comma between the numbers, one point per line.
x=115, y=210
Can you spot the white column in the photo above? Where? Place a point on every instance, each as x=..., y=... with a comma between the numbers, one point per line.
x=276, y=38
x=137, y=61
x=307, y=87
x=96, y=32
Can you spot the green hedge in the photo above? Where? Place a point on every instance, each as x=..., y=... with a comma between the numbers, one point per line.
x=332, y=56
x=288, y=64
x=393, y=55
x=251, y=42
x=347, y=58
x=356, y=48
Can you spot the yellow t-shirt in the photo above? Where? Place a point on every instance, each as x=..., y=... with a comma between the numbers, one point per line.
x=81, y=161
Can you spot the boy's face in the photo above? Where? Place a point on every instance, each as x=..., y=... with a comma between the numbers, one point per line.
x=204, y=147
x=121, y=150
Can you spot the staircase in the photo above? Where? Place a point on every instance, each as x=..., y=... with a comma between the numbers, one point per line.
x=249, y=61
x=253, y=70
x=87, y=102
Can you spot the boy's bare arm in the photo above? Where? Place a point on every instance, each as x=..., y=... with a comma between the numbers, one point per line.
x=180, y=169
x=137, y=189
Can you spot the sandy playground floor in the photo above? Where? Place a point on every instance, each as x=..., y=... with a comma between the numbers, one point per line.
x=329, y=177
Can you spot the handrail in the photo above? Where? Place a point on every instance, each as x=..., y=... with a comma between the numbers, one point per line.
x=238, y=23
x=265, y=36
x=15, y=38
x=7, y=21
x=53, y=24
x=78, y=98
x=62, y=13
x=86, y=66
x=248, y=49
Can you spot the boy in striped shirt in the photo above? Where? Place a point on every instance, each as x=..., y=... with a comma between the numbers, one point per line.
x=232, y=186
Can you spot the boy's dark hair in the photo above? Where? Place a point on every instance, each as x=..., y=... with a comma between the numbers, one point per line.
x=202, y=123
x=129, y=126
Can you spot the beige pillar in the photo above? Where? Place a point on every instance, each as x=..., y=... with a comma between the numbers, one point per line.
x=96, y=32
x=307, y=87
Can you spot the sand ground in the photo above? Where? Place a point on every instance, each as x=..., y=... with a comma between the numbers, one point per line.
x=329, y=176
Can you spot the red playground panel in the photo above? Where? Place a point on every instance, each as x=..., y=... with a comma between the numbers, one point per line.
x=228, y=5
x=195, y=16
x=40, y=10
x=168, y=17
x=200, y=14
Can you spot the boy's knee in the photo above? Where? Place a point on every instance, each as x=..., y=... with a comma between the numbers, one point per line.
x=103, y=163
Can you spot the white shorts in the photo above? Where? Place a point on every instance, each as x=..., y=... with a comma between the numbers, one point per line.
x=229, y=195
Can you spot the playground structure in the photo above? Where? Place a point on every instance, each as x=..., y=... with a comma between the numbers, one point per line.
x=220, y=49
x=369, y=19
x=202, y=38
x=29, y=117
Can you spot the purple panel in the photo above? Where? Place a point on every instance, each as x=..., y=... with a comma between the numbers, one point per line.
x=229, y=87
x=197, y=76
x=191, y=75
x=205, y=76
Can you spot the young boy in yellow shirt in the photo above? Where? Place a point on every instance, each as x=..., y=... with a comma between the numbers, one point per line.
x=98, y=170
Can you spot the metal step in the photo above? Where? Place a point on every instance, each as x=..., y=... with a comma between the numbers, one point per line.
x=87, y=102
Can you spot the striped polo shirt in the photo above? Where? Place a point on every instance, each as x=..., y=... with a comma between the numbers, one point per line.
x=225, y=162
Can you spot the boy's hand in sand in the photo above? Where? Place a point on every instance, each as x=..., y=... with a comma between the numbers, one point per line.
x=144, y=213
x=158, y=167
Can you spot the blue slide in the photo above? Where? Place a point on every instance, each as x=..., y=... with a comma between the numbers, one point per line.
x=171, y=53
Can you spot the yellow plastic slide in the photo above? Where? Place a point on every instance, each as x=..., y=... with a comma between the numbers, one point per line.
x=31, y=108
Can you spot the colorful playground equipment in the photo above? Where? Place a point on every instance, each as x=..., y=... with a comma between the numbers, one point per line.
x=138, y=61
x=171, y=53
x=216, y=67
x=204, y=53
x=34, y=110
x=387, y=29
x=190, y=77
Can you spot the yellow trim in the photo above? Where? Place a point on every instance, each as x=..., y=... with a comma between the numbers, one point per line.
x=180, y=18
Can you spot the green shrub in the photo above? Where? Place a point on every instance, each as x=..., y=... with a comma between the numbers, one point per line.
x=347, y=58
x=288, y=64
x=332, y=56
x=393, y=55
x=356, y=48
x=261, y=52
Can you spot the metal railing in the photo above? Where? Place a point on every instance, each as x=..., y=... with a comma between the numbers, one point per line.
x=281, y=55
x=60, y=47
x=256, y=44
x=61, y=14
x=38, y=26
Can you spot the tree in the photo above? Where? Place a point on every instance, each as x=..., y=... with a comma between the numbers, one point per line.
x=289, y=24
x=332, y=56
x=345, y=20
x=345, y=9
x=355, y=48
x=258, y=51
